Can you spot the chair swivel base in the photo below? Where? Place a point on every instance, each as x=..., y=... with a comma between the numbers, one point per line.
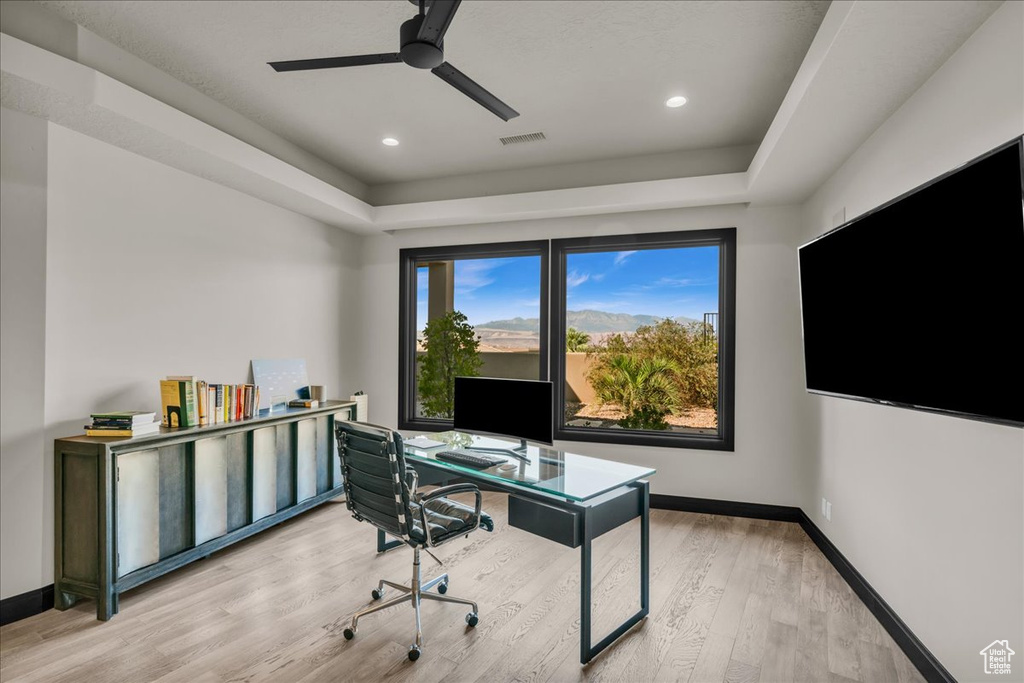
x=414, y=594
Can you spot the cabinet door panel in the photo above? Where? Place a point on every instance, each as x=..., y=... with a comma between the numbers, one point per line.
x=285, y=466
x=138, y=510
x=264, y=472
x=323, y=454
x=211, y=488
x=176, y=514
x=305, y=459
x=238, y=480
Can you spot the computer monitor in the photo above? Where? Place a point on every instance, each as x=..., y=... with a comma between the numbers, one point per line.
x=520, y=408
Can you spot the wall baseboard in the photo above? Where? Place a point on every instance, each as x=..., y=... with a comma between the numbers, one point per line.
x=26, y=605
x=778, y=513
x=916, y=652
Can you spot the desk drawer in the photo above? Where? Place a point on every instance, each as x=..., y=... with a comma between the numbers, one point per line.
x=547, y=521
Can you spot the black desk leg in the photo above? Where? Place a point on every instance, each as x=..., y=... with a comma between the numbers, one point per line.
x=586, y=564
x=645, y=548
x=587, y=652
x=384, y=544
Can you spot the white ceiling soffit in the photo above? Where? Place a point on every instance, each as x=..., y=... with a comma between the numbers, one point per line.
x=61, y=90
x=866, y=60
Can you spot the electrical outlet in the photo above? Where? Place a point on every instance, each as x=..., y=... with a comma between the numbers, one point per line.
x=826, y=509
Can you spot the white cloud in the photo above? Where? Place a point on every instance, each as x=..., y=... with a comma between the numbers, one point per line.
x=621, y=257
x=677, y=282
x=472, y=275
x=575, y=278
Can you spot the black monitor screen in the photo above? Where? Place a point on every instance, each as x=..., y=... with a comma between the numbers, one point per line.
x=507, y=407
x=919, y=303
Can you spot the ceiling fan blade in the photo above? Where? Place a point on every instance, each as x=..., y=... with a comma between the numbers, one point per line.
x=335, y=62
x=474, y=90
x=439, y=16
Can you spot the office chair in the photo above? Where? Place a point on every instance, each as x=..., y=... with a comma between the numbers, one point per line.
x=381, y=490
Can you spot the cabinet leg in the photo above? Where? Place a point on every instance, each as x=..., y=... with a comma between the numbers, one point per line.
x=63, y=601
x=106, y=606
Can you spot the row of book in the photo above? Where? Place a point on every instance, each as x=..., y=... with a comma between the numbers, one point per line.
x=188, y=401
x=123, y=423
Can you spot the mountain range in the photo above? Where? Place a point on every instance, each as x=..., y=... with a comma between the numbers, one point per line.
x=588, y=321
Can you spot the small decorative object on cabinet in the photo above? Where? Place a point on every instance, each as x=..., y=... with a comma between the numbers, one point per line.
x=362, y=402
x=129, y=510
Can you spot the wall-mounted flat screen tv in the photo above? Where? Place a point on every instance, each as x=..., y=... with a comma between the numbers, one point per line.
x=920, y=302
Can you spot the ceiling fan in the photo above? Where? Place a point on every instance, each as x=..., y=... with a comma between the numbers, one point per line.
x=422, y=46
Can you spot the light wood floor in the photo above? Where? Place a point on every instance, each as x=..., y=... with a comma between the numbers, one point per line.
x=731, y=600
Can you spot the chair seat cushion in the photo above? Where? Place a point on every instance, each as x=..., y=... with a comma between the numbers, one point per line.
x=446, y=519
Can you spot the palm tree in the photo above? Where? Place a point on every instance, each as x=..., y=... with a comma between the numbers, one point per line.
x=646, y=388
x=575, y=340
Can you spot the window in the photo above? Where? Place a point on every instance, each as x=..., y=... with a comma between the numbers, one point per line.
x=642, y=338
x=468, y=310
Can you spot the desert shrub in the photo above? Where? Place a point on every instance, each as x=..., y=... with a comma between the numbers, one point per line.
x=692, y=348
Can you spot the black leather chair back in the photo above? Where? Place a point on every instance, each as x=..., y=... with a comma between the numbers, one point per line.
x=373, y=464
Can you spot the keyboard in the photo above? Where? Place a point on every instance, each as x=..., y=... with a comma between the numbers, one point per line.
x=467, y=458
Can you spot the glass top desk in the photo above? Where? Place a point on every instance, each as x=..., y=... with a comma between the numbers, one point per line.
x=567, y=498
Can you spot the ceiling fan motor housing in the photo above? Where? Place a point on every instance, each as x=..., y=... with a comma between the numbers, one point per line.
x=418, y=53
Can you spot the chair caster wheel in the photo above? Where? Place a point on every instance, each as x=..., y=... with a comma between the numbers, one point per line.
x=442, y=588
x=349, y=634
x=377, y=594
x=414, y=653
x=472, y=619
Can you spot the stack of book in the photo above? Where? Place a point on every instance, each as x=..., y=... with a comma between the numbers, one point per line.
x=188, y=401
x=123, y=423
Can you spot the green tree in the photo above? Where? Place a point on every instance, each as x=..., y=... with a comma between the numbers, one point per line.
x=644, y=387
x=451, y=351
x=575, y=340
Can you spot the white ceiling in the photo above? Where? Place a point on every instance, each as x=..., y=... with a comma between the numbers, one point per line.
x=591, y=75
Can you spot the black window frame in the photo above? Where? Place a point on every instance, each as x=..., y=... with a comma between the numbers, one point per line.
x=725, y=239
x=408, y=260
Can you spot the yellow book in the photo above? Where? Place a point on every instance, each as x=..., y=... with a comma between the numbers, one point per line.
x=170, y=404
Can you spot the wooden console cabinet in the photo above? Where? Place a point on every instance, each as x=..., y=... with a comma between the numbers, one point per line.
x=130, y=510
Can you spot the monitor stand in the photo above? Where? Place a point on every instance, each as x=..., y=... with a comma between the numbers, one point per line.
x=516, y=451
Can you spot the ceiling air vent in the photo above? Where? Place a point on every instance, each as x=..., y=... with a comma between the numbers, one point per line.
x=517, y=139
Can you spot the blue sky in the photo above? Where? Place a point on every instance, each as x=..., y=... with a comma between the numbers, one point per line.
x=662, y=282
x=489, y=289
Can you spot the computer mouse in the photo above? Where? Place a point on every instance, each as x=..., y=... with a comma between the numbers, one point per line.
x=507, y=466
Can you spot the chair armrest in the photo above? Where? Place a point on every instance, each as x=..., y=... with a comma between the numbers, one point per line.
x=412, y=481
x=447, y=491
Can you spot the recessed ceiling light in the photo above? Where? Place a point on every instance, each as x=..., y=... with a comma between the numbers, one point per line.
x=676, y=101
x=390, y=142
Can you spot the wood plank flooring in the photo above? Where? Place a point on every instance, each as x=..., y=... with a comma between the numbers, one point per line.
x=731, y=600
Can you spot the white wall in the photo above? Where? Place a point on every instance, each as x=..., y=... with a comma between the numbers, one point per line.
x=930, y=508
x=765, y=466
x=22, y=337
x=150, y=271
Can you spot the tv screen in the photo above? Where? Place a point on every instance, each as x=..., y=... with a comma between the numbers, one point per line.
x=919, y=303
x=507, y=407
